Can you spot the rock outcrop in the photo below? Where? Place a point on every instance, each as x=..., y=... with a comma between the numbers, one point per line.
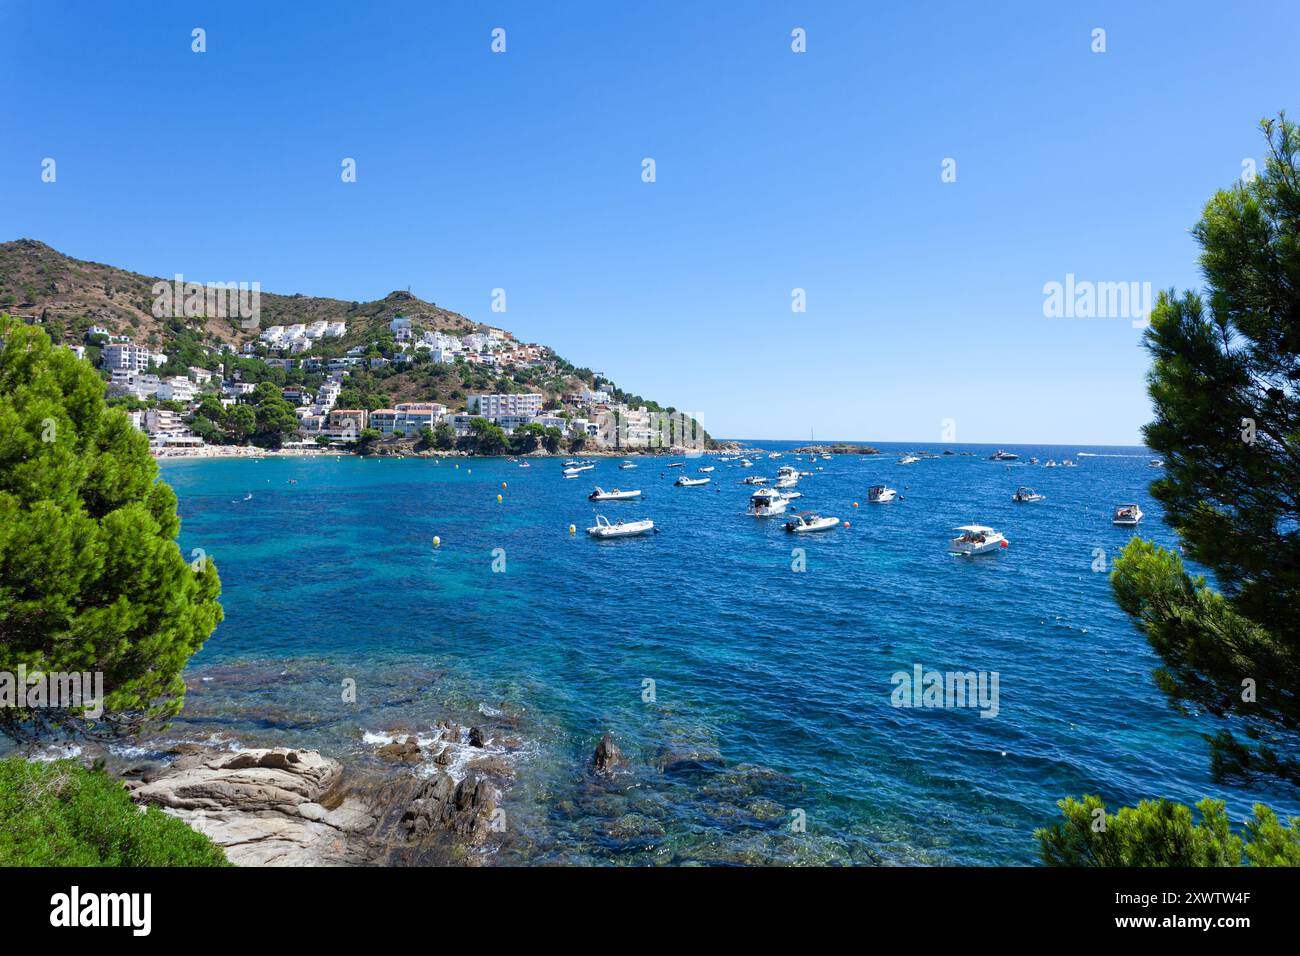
x=465, y=809
x=607, y=755
x=265, y=807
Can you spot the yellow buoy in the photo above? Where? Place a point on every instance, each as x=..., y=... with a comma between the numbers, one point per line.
x=573, y=528
x=498, y=499
x=437, y=541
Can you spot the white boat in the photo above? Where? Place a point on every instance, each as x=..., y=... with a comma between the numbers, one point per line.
x=1156, y=463
x=785, y=470
x=826, y=457
x=808, y=521
x=619, y=529
x=881, y=494
x=1068, y=464
x=976, y=539
x=675, y=464
x=706, y=469
x=908, y=460
x=746, y=463
x=684, y=482
x=791, y=495
x=627, y=465
x=1050, y=463
x=753, y=480
x=600, y=494
x=576, y=470
x=766, y=503
x=524, y=464
x=1001, y=455
x=1127, y=515
x=1027, y=494
x=775, y=454
x=788, y=481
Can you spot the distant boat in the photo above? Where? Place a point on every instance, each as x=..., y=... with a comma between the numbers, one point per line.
x=684, y=482
x=976, y=539
x=1027, y=494
x=576, y=470
x=524, y=464
x=881, y=494
x=1156, y=463
x=627, y=465
x=1127, y=516
x=753, y=480
x=908, y=460
x=600, y=494
x=620, y=529
x=675, y=464
x=808, y=521
x=706, y=469
x=1001, y=455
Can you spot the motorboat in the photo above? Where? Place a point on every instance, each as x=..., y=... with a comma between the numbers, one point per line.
x=600, y=494
x=1067, y=463
x=787, y=481
x=627, y=465
x=1024, y=494
x=1156, y=463
x=881, y=494
x=908, y=460
x=1001, y=455
x=807, y=521
x=524, y=464
x=766, y=503
x=826, y=457
x=746, y=463
x=976, y=539
x=675, y=464
x=753, y=480
x=774, y=454
x=575, y=470
x=619, y=529
x=706, y=469
x=1050, y=463
x=1033, y=461
x=1127, y=515
x=684, y=482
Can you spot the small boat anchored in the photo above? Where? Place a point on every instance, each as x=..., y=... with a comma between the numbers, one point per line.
x=627, y=465
x=1027, y=494
x=908, y=460
x=808, y=521
x=766, y=503
x=1127, y=516
x=600, y=494
x=684, y=482
x=976, y=539
x=619, y=529
x=1001, y=455
x=881, y=494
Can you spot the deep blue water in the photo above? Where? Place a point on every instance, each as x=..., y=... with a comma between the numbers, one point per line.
x=335, y=577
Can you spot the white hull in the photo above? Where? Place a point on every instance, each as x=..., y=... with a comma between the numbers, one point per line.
x=809, y=527
x=622, y=529
x=614, y=495
x=691, y=482
x=967, y=549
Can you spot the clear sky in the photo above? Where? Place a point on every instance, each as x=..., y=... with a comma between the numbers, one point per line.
x=774, y=171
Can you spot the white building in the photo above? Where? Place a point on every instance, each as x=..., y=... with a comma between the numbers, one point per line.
x=494, y=406
x=126, y=355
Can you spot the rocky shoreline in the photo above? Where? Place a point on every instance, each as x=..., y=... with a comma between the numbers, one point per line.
x=284, y=806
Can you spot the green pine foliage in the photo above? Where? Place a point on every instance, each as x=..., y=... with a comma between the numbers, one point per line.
x=91, y=578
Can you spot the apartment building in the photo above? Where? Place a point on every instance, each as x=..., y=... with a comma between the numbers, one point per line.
x=495, y=406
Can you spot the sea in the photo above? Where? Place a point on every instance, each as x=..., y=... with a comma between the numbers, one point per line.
x=751, y=677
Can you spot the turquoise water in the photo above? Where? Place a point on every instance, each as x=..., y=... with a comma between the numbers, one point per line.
x=777, y=681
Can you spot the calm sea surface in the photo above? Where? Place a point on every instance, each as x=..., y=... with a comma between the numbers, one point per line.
x=777, y=683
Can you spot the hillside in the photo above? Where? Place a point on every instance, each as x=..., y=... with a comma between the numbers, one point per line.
x=70, y=295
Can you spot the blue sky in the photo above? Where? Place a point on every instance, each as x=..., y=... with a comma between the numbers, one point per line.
x=775, y=171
